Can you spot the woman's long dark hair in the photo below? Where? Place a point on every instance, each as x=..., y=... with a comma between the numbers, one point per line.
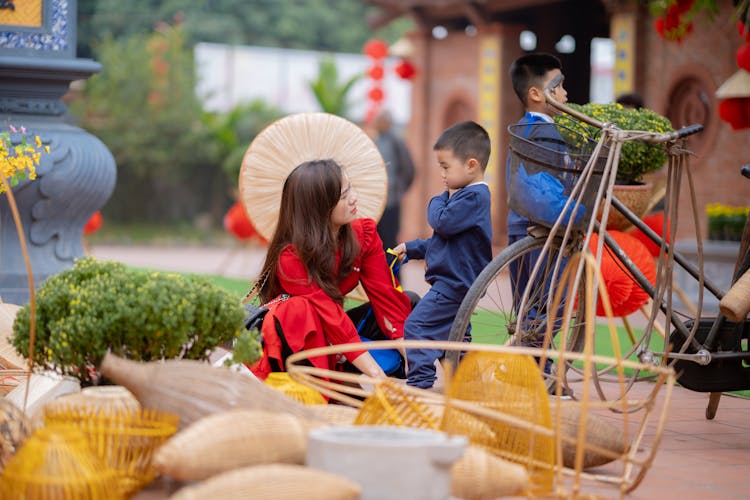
x=311, y=192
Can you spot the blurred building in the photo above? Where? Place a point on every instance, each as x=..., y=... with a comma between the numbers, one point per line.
x=462, y=51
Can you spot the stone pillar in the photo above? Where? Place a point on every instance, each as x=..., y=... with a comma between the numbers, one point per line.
x=37, y=64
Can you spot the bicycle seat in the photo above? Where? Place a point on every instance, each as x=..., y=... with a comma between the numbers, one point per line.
x=745, y=169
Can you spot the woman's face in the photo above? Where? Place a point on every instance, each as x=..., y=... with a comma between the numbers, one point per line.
x=345, y=210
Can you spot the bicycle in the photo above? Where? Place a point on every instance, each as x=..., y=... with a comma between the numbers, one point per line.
x=707, y=352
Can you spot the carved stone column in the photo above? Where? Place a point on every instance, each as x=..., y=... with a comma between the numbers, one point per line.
x=37, y=64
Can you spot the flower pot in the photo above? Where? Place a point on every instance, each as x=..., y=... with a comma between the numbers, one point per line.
x=635, y=197
x=388, y=462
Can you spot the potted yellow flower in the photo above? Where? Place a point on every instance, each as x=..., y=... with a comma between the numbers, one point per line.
x=18, y=158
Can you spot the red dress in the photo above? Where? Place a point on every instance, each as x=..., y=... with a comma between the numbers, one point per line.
x=310, y=318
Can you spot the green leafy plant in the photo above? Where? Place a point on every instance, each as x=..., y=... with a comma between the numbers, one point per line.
x=636, y=159
x=102, y=305
x=329, y=92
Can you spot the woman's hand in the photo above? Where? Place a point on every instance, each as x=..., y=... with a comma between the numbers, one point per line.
x=367, y=365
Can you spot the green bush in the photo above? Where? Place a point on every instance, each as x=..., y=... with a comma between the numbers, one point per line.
x=636, y=158
x=102, y=305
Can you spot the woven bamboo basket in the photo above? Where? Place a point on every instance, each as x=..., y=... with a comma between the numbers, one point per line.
x=225, y=441
x=125, y=440
x=106, y=399
x=282, y=382
x=277, y=482
x=15, y=428
x=639, y=419
x=511, y=384
x=192, y=390
x=391, y=404
x=55, y=463
x=336, y=414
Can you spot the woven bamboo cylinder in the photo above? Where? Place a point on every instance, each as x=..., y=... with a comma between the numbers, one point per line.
x=480, y=475
x=278, y=481
x=192, y=390
x=736, y=303
x=600, y=434
x=225, y=441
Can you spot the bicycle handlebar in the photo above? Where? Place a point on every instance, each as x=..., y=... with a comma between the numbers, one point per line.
x=643, y=136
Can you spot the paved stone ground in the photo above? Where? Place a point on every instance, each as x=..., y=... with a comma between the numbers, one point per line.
x=696, y=459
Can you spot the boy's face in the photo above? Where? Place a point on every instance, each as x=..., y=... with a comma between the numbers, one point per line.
x=555, y=78
x=456, y=173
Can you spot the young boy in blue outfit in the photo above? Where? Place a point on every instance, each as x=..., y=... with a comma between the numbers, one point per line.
x=530, y=75
x=460, y=245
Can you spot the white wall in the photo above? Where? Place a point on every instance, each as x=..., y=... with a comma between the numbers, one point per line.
x=228, y=75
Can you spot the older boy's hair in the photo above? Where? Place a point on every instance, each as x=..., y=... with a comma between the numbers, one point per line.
x=466, y=140
x=529, y=70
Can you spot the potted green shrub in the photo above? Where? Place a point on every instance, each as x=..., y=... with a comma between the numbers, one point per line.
x=98, y=306
x=636, y=159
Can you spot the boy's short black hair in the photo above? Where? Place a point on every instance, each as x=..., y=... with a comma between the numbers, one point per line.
x=529, y=70
x=466, y=140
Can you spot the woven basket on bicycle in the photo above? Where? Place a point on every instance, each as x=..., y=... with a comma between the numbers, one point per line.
x=546, y=161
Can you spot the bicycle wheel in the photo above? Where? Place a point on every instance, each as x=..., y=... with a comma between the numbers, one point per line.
x=492, y=303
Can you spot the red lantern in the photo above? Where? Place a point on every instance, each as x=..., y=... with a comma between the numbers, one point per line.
x=237, y=223
x=377, y=49
x=625, y=295
x=405, y=69
x=734, y=111
x=656, y=223
x=376, y=72
x=375, y=94
x=94, y=223
x=743, y=57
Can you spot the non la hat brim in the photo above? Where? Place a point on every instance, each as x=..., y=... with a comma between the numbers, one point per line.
x=302, y=137
x=737, y=85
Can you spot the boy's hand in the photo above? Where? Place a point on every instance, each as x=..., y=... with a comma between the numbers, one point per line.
x=399, y=251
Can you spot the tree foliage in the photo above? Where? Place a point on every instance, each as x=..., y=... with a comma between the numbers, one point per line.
x=328, y=25
x=143, y=106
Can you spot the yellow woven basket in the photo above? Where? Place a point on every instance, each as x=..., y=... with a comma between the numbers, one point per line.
x=56, y=462
x=125, y=440
x=282, y=382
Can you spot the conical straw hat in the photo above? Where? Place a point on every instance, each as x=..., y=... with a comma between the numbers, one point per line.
x=302, y=137
x=737, y=85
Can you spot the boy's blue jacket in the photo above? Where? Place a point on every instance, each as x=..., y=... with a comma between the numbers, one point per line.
x=517, y=223
x=461, y=243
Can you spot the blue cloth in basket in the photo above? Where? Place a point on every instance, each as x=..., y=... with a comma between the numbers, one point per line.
x=544, y=197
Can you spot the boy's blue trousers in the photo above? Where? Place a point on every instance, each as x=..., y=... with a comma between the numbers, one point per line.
x=431, y=319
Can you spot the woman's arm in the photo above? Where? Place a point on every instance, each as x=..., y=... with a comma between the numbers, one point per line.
x=391, y=306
